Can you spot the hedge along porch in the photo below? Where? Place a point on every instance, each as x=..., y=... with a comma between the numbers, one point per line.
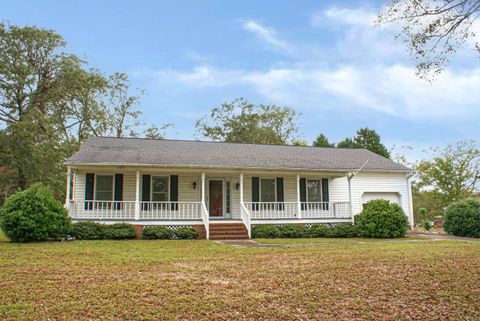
x=204, y=196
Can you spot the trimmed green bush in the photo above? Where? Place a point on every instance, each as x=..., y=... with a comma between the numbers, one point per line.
x=319, y=231
x=157, y=232
x=186, y=233
x=88, y=231
x=381, y=219
x=342, y=230
x=34, y=215
x=98, y=231
x=265, y=231
x=292, y=231
x=302, y=231
x=463, y=219
x=119, y=231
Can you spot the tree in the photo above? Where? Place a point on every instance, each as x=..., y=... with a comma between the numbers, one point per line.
x=50, y=102
x=368, y=139
x=155, y=132
x=300, y=142
x=433, y=30
x=322, y=141
x=452, y=175
x=243, y=122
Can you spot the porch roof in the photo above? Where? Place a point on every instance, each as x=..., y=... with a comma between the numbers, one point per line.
x=203, y=154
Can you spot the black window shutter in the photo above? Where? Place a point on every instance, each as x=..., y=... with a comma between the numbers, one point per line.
x=325, y=193
x=255, y=192
x=280, y=197
x=174, y=191
x=146, y=191
x=303, y=192
x=89, y=186
x=118, y=193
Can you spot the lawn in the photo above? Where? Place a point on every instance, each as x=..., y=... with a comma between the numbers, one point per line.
x=195, y=280
x=330, y=240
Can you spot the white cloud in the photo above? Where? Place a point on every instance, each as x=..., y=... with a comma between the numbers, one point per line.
x=265, y=33
x=359, y=17
x=393, y=89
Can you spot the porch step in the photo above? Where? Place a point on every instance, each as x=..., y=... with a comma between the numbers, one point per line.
x=222, y=231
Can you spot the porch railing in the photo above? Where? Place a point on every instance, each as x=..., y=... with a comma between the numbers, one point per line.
x=170, y=211
x=272, y=210
x=325, y=209
x=290, y=210
x=102, y=209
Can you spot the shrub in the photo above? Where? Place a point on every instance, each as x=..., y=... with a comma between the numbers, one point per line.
x=34, y=215
x=427, y=225
x=463, y=219
x=342, y=230
x=119, y=231
x=98, y=231
x=185, y=233
x=381, y=219
x=319, y=231
x=88, y=231
x=157, y=232
x=292, y=231
x=265, y=231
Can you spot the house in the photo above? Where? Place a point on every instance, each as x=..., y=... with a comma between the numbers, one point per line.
x=223, y=189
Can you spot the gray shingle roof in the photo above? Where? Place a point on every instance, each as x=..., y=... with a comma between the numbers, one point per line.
x=183, y=153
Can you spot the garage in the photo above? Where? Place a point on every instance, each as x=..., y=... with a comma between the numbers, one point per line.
x=389, y=196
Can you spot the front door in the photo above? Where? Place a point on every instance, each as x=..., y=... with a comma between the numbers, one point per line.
x=215, y=197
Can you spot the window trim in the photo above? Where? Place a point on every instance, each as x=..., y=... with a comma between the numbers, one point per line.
x=260, y=188
x=95, y=187
x=321, y=189
x=151, y=188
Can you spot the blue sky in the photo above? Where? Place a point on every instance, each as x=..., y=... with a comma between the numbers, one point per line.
x=322, y=58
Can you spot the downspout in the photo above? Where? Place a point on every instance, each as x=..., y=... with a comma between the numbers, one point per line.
x=349, y=178
x=410, y=200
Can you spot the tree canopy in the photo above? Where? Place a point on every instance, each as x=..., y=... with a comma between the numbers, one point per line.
x=243, y=122
x=368, y=139
x=51, y=101
x=322, y=141
x=433, y=30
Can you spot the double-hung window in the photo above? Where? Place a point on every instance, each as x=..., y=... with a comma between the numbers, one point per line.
x=160, y=188
x=314, y=193
x=104, y=191
x=267, y=192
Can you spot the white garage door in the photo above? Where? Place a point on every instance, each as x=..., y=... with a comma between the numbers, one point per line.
x=392, y=197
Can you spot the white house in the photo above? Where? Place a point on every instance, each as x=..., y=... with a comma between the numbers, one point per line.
x=222, y=189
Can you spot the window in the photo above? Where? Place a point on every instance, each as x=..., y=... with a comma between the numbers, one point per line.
x=314, y=190
x=104, y=188
x=160, y=188
x=267, y=190
x=227, y=197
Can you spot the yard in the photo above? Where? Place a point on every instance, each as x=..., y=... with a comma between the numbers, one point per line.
x=204, y=280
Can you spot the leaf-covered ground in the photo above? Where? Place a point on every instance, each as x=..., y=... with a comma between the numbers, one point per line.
x=194, y=280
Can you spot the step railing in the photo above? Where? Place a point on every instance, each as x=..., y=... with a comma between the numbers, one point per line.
x=206, y=219
x=245, y=215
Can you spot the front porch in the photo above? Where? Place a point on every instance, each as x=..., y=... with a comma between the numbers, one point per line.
x=165, y=197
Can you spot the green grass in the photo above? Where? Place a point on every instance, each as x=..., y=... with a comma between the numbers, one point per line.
x=326, y=240
x=195, y=280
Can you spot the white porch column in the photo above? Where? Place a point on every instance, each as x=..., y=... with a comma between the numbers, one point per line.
x=410, y=202
x=69, y=181
x=203, y=188
x=241, y=188
x=137, y=196
x=299, y=202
